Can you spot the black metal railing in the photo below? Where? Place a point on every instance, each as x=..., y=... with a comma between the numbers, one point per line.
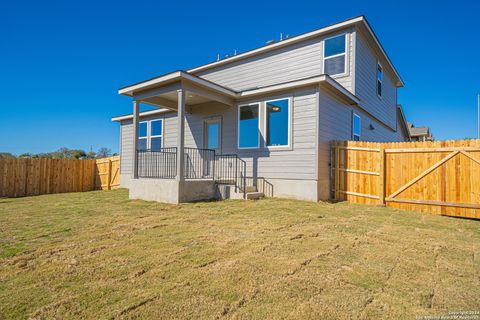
x=230, y=169
x=199, y=163
x=157, y=163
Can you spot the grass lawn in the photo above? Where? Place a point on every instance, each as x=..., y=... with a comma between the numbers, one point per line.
x=98, y=255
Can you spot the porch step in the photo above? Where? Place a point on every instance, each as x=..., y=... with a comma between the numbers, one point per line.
x=251, y=189
x=254, y=195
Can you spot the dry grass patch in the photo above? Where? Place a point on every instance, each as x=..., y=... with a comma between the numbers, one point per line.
x=99, y=255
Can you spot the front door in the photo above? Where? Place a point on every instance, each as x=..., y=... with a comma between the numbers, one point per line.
x=213, y=135
x=212, y=140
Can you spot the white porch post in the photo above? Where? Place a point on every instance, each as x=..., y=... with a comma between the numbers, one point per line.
x=136, y=112
x=181, y=135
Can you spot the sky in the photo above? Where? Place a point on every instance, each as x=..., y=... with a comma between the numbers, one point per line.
x=61, y=62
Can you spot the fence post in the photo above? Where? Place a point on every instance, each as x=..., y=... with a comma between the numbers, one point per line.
x=109, y=174
x=337, y=172
x=381, y=177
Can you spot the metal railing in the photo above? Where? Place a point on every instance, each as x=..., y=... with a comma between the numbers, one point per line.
x=199, y=163
x=157, y=163
x=230, y=169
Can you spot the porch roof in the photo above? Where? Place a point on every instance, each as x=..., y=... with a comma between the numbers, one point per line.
x=161, y=91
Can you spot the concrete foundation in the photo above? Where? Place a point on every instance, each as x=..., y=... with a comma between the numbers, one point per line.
x=164, y=190
x=171, y=191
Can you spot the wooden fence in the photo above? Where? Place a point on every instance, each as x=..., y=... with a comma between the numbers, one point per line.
x=441, y=177
x=107, y=174
x=26, y=177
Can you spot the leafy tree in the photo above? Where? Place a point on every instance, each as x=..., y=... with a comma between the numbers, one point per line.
x=6, y=155
x=25, y=155
x=104, y=152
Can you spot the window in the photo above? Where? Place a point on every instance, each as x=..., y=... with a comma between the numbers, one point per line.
x=142, y=135
x=150, y=135
x=379, y=80
x=156, y=134
x=334, y=55
x=356, y=127
x=277, y=123
x=248, y=134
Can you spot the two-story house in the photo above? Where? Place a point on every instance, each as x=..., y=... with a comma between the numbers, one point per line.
x=262, y=119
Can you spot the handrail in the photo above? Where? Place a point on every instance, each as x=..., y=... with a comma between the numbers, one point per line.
x=231, y=170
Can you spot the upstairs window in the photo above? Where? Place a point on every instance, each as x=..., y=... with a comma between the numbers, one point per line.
x=278, y=123
x=334, y=55
x=356, y=127
x=248, y=133
x=142, y=135
x=379, y=79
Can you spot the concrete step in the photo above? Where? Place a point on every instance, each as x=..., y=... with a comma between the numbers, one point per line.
x=254, y=195
x=251, y=189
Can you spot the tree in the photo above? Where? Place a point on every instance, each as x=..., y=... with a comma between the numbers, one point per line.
x=6, y=155
x=103, y=152
x=25, y=155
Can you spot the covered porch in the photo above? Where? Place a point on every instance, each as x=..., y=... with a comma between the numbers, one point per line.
x=177, y=173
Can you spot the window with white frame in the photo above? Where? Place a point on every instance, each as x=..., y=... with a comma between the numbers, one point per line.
x=356, y=124
x=248, y=129
x=277, y=113
x=150, y=135
x=143, y=135
x=156, y=134
x=335, y=55
x=379, y=79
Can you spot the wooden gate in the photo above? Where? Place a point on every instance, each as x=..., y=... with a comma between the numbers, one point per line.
x=108, y=173
x=441, y=177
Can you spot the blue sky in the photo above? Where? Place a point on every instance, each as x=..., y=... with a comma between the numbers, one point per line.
x=61, y=62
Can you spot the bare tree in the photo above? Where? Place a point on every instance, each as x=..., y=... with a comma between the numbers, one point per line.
x=104, y=152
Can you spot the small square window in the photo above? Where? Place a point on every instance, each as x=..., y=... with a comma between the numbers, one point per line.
x=142, y=129
x=379, y=80
x=142, y=144
x=356, y=126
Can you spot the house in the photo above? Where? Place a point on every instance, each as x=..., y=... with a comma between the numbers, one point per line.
x=419, y=133
x=262, y=119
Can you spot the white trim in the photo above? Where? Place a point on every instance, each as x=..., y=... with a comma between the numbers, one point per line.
x=359, y=128
x=173, y=77
x=238, y=125
x=346, y=54
x=155, y=136
x=142, y=114
x=290, y=113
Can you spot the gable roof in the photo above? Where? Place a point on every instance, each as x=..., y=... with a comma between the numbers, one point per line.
x=302, y=37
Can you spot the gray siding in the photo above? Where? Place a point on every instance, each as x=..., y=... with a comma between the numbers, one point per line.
x=299, y=162
x=335, y=123
x=126, y=147
x=385, y=107
x=294, y=62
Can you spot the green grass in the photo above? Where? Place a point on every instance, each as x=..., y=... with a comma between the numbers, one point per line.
x=98, y=255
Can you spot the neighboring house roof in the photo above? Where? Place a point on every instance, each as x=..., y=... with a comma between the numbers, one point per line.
x=418, y=131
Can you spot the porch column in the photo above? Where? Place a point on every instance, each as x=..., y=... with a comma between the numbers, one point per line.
x=136, y=112
x=181, y=135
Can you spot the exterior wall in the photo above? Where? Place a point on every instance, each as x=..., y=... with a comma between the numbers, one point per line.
x=284, y=167
x=335, y=123
x=301, y=60
x=385, y=107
